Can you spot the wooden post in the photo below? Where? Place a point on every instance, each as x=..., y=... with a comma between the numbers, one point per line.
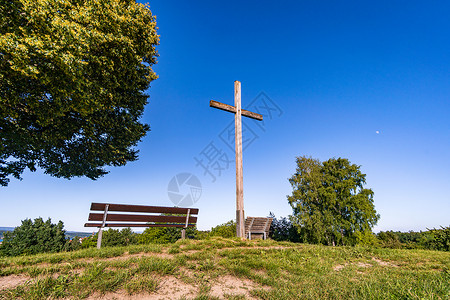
x=240, y=227
x=100, y=231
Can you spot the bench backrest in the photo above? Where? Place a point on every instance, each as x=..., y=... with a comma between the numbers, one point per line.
x=257, y=225
x=125, y=215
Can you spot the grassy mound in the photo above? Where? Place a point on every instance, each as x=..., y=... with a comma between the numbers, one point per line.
x=228, y=269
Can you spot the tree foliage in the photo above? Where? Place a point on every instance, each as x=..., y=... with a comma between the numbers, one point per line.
x=116, y=237
x=34, y=237
x=282, y=229
x=72, y=80
x=226, y=230
x=440, y=239
x=329, y=201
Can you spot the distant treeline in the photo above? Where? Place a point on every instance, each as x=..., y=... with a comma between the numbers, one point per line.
x=432, y=239
x=43, y=236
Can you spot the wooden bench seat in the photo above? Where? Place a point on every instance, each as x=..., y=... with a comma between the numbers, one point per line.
x=126, y=215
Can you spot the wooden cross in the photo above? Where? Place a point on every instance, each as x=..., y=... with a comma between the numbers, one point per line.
x=236, y=109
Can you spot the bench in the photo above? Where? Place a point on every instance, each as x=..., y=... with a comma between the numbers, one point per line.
x=125, y=215
x=256, y=225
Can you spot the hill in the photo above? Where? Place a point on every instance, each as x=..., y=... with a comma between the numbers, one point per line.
x=229, y=269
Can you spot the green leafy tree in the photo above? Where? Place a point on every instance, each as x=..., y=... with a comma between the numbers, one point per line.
x=330, y=204
x=116, y=237
x=89, y=242
x=34, y=237
x=440, y=239
x=226, y=230
x=73, y=75
x=73, y=244
x=283, y=230
x=165, y=235
x=159, y=235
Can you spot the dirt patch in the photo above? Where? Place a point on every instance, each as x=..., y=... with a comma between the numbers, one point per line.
x=366, y=265
x=174, y=288
x=120, y=295
x=229, y=285
x=169, y=288
x=384, y=263
x=339, y=267
x=363, y=265
x=139, y=255
x=359, y=264
x=12, y=281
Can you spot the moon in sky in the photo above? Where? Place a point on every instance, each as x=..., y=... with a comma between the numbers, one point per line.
x=377, y=132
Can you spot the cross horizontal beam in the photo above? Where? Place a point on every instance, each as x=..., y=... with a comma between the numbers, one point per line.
x=232, y=109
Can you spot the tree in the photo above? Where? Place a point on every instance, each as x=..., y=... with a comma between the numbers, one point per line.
x=330, y=204
x=72, y=80
x=116, y=237
x=34, y=237
x=283, y=230
x=226, y=230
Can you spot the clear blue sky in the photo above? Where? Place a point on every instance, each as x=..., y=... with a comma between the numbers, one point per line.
x=364, y=80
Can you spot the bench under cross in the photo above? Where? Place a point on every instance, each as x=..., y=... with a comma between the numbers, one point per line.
x=238, y=112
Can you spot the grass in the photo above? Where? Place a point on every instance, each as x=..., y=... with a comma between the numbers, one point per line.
x=271, y=270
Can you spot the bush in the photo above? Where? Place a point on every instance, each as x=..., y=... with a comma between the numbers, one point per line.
x=389, y=239
x=441, y=239
x=366, y=238
x=226, y=230
x=159, y=235
x=89, y=242
x=165, y=235
x=34, y=237
x=283, y=230
x=73, y=244
x=116, y=237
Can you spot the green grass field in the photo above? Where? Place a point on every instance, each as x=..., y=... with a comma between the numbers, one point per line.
x=228, y=269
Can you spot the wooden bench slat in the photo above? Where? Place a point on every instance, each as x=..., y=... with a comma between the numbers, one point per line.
x=140, y=218
x=143, y=208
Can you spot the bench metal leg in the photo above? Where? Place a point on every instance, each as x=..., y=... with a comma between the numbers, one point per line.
x=183, y=232
x=100, y=231
x=99, y=238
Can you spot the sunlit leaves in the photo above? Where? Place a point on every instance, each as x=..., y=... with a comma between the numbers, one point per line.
x=73, y=75
x=329, y=201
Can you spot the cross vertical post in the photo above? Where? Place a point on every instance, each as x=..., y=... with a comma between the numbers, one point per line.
x=240, y=218
x=238, y=112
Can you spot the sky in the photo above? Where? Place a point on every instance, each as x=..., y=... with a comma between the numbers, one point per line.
x=363, y=80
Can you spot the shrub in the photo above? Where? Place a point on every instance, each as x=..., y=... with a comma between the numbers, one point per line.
x=283, y=230
x=34, y=237
x=73, y=244
x=441, y=239
x=89, y=242
x=389, y=239
x=366, y=238
x=226, y=230
x=116, y=237
x=159, y=235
